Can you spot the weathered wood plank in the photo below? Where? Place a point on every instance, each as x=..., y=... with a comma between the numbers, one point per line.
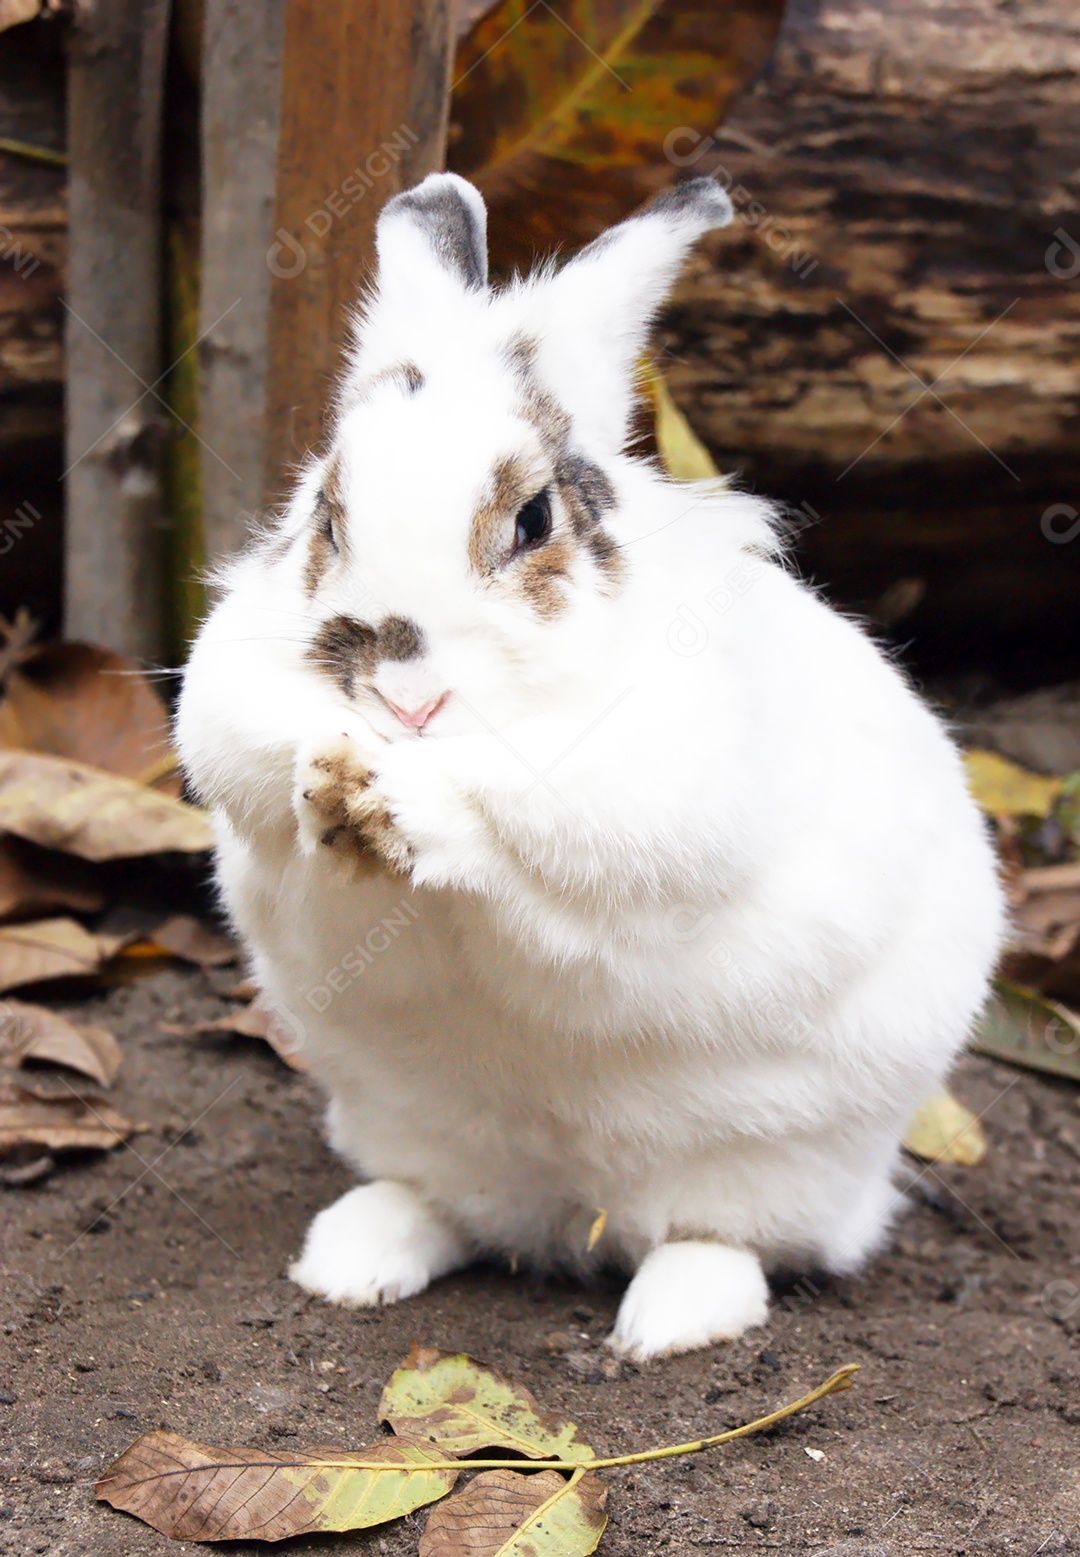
x=241, y=80
x=364, y=97
x=113, y=333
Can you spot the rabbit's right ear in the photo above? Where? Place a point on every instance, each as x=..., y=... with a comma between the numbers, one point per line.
x=431, y=238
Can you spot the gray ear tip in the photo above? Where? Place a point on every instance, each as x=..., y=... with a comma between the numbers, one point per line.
x=452, y=213
x=700, y=200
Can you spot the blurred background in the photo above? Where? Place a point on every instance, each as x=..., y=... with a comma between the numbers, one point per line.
x=886, y=340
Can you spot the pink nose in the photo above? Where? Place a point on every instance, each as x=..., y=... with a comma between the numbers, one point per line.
x=416, y=718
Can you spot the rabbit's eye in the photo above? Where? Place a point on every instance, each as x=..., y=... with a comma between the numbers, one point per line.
x=533, y=523
x=324, y=518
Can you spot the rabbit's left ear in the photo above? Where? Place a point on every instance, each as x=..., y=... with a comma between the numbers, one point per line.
x=430, y=237
x=601, y=305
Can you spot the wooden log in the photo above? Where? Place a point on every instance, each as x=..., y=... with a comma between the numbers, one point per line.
x=364, y=100
x=113, y=335
x=890, y=332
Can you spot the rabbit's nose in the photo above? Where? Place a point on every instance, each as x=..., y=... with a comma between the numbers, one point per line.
x=417, y=716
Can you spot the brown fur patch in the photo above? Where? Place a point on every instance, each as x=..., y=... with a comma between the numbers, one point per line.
x=587, y=495
x=510, y=487
x=344, y=649
x=399, y=639
x=328, y=537
x=358, y=826
x=539, y=575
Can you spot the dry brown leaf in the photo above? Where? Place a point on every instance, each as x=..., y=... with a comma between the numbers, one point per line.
x=185, y=937
x=50, y=949
x=256, y=1020
x=192, y=1492
x=98, y=816
x=33, y=881
x=12, y=12
x=94, y=706
x=58, y=1124
x=30, y=1032
x=503, y=1513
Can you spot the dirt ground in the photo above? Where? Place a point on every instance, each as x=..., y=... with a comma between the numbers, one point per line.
x=146, y=1288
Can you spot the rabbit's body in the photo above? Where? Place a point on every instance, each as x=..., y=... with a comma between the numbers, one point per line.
x=677, y=918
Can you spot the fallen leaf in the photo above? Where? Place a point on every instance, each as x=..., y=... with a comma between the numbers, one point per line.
x=30, y=1032
x=34, y=880
x=185, y=937
x=12, y=12
x=99, y=816
x=50, y=949
x=563, y=114
x=192, y=1492
x=1003, y=788
x=257, y=1020
x=1024, y=1028
x=503, y=1513
x=682, y=453
x=58, y=1124
x=943, y=1130
x=96, y=707
x=464, y=1406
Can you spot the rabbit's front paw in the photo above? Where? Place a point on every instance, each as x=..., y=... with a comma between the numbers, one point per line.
x=688, y=1295
x=377, y=1244
x=340, y=807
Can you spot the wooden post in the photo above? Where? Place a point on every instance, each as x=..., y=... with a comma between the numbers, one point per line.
x=240, y=89
x=114, y=418
x=364, y=101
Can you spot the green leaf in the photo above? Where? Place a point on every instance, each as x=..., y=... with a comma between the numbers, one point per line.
x=1024, y=1028
x=1004, y=788
x=463, y=1406
x=192, y=1492
x=505, y=1514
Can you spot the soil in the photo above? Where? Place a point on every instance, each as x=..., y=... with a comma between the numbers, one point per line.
x=146, y=1288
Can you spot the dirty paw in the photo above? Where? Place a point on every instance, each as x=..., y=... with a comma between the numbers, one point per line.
x=341, y=809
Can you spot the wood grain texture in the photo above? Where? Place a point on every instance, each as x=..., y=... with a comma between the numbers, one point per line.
x=241, y=65
x=113, y=333
x=901, y=171
x=363, y=114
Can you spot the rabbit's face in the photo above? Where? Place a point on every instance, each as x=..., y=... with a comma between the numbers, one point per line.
x=457, y=546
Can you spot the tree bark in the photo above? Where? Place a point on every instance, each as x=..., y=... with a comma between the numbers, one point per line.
x=113, y=588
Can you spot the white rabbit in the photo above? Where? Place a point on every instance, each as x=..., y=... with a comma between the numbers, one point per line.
x=600, y=865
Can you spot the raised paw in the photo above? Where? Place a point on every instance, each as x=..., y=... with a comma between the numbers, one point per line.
x=688, y=1295
x=377, y=1244
x=340, y=808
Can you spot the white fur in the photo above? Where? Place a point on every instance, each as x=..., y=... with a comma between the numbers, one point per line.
x=700, y=907
x=687, y=1295
x=377, y=1244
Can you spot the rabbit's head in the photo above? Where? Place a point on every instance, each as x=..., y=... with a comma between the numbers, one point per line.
x=458, y=544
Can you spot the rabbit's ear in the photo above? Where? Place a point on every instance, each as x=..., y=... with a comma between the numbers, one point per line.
x=603, y=302
x=429, y=236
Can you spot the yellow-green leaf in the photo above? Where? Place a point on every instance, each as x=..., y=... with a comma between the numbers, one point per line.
x=1024, y=1028
x=503, y=1513
x=1003, y=788
x=192, y=1492
x=562, y=112
x=682, y=453
x=943, y=1130
x=464, y=1406
x=80, y=810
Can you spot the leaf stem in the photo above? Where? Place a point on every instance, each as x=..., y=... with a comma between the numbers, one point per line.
x=58, y=159
x=837, y=1381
